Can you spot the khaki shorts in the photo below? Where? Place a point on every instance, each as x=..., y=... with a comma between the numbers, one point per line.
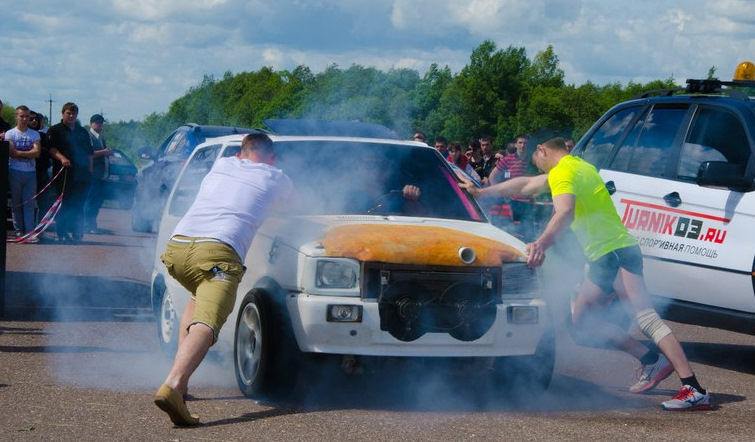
x=211, y=271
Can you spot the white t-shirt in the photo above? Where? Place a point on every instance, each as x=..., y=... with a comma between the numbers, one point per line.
x=234, y=199
x=22, y=141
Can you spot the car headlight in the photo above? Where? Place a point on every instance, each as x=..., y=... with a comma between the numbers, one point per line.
x=335, y=275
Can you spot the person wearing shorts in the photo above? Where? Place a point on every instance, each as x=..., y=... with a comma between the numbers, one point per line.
x=582, y=203
x=205, y=255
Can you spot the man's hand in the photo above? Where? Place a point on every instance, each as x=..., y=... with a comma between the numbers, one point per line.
x=65, y=161
x=468, y=185
x=412, y=193
x=535, y=254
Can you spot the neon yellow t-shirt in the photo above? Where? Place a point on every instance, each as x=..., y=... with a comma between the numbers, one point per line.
x=596, y=224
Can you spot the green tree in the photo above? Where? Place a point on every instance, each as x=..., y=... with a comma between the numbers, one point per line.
x=484, y=95
x=426, y=98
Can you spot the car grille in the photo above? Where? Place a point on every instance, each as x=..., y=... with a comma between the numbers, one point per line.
x=414, y=300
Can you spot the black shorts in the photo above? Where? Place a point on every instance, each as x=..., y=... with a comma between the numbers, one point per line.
x=603, y=270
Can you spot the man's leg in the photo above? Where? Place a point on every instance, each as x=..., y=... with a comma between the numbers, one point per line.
x=631, y=286
x=79, y=190
x=587, y=316
x=692, y=396
x=16, y=198
x=27, y=194
x=191, y=351
x=192, y=348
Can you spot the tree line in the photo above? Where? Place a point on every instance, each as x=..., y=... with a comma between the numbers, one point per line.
x=500, y=92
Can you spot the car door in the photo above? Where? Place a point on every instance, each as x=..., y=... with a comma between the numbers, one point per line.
x=695, y=240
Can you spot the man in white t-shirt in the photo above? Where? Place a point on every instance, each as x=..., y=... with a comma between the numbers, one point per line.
x=25, y=146
x=206, y=255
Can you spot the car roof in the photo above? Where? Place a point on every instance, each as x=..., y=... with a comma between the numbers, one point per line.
x=237, y=138
x=329, y=127
x=216, y=131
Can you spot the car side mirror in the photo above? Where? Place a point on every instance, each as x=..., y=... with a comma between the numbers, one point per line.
x=146, y=153
x=723, y=174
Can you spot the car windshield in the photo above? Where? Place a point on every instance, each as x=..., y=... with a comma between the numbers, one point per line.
x=119, y=159
x=340, y=177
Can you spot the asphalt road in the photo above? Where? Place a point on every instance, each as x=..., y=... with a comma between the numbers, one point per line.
x=79, y=361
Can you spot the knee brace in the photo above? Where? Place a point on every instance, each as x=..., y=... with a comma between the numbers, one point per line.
x=652, y=325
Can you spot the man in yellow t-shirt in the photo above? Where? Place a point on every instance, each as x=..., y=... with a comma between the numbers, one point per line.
x=582, y=202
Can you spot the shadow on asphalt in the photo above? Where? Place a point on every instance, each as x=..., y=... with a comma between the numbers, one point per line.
x=56, y=297
x=735, y=357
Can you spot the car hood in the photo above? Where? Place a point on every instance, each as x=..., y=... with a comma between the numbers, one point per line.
x=403, y=240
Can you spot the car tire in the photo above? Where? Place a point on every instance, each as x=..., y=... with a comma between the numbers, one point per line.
x=251, y=345
x=267, y=359
x=125, y=202
x=167, y=322
x=139, y=223
x=527, y=377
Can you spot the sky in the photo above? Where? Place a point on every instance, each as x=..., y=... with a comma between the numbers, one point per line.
x=129, y=59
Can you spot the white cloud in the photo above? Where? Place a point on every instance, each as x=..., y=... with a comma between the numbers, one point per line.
x=132, y=58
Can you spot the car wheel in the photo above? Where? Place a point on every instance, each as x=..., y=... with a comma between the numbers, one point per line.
x=266, y=358
x=525, y=377
x=125, y=202
x=167, y=323
x=253, y=345
x=139, y=223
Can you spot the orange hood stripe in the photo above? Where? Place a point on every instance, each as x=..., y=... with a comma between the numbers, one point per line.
x=407, y=244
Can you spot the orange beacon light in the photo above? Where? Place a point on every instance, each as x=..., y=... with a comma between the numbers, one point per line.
x=745, y=71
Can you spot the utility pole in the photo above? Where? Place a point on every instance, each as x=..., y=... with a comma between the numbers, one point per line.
x=49, y=120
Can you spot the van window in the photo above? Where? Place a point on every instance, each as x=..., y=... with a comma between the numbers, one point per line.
x=649, y=145
x=706, y=143
x=598, y=149
x=188, y=187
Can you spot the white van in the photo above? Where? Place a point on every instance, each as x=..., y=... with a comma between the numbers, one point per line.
x=680, y=165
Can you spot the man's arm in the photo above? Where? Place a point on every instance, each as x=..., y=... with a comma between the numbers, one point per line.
x=523, y=185
x=25, y=154
x=52, y=140
x=563, y=215
x=496, y=175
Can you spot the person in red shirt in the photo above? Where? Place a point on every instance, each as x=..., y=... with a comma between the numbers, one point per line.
x=512, y=166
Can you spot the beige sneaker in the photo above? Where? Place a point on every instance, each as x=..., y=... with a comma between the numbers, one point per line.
x=168, y=400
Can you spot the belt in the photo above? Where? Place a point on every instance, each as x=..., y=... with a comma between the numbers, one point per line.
x=195, y=240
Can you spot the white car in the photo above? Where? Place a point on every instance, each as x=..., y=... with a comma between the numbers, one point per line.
x=355, y=272
x=680, y=166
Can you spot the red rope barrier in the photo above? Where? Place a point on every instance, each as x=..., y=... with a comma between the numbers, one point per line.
x=49, y=216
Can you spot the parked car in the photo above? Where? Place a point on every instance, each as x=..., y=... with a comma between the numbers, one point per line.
x=120, y=184
x=680, y=165
x=155, y=179
x=352, y=272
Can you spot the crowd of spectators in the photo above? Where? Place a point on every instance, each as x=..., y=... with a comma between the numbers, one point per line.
x=65, y=163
